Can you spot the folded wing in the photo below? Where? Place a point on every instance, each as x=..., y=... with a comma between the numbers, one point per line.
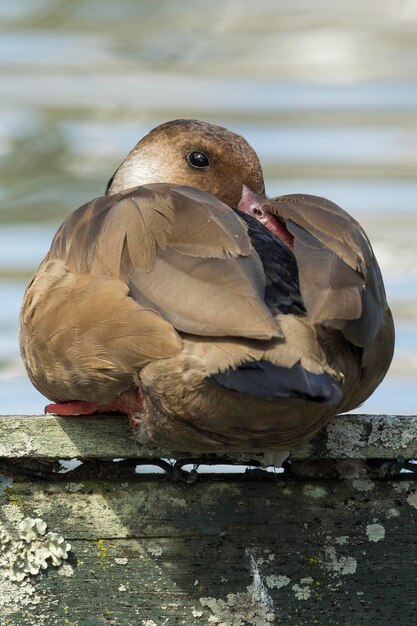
x=340, y=280
x=182, y=253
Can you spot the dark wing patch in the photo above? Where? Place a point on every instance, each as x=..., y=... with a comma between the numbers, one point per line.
x=263, y=379
x=282, y=292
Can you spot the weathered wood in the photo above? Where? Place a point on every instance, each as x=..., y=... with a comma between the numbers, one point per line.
x=108, y=437
x=230, y=552
x=254, y=549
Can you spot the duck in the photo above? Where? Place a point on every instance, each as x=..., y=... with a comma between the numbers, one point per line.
x=218, y=320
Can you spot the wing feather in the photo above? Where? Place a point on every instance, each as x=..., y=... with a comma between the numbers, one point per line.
x=340, y=280
x=182, y=252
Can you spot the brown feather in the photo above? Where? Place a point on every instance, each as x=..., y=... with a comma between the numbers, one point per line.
x=330, y=224
x=213, y=297
x=330, y=288
x=340, y=280
x=79, y=332
x=183, y=253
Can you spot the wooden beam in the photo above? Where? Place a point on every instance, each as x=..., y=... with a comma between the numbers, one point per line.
x=257, y=549
x=108, y=437
x=241, y=553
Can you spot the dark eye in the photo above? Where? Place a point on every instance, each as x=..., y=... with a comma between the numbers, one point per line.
x=198, y=159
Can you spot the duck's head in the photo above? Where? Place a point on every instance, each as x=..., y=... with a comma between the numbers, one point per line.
x=194, y=153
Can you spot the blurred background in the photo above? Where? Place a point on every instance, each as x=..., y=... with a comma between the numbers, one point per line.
x=325, y=91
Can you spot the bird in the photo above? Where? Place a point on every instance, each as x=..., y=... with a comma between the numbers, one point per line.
x=218, y=320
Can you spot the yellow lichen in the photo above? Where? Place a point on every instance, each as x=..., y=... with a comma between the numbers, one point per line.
x=13, y=499
x=102, y=553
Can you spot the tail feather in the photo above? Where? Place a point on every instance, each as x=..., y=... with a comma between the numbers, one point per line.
x=263, y=379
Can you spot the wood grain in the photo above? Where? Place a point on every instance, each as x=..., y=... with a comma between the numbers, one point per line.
x=254, y=549
x=244, y=552
x=107, y=437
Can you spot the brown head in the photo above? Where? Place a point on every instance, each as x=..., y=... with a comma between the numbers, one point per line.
x=194, y=153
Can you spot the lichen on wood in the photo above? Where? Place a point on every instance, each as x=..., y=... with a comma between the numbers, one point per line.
x=254, y=549
x=107, y=437
x=246, y=551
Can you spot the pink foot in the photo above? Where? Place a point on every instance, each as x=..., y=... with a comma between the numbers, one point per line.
x=130, y=403
x=77, y=407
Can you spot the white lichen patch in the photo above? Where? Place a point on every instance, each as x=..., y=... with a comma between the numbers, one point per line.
x=302, y=590
x=148, y=622
x=121, y=560
x=66, y=571
x=74, y=487
x=393, y=512
x=342, y=540
x=154, y=549
x=346, y=439
x=375, y=532
x=13, y=597
x=32, y=550
x=393, y=433
x=238, y=609
x=122, y=588
x=196, y=613
x=178, y=503
x=24, y=446
x=402, y=486
x=277, y=581
x=339, y=565
x=412, y=499
x=301, y=593
x=30, y=529
x=12, y=514
x=362, y=484
x=25, y=549
x=314, y=491
x=261, y=560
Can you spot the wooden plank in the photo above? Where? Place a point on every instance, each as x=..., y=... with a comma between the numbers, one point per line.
x=108, y=437
x=235, y=553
